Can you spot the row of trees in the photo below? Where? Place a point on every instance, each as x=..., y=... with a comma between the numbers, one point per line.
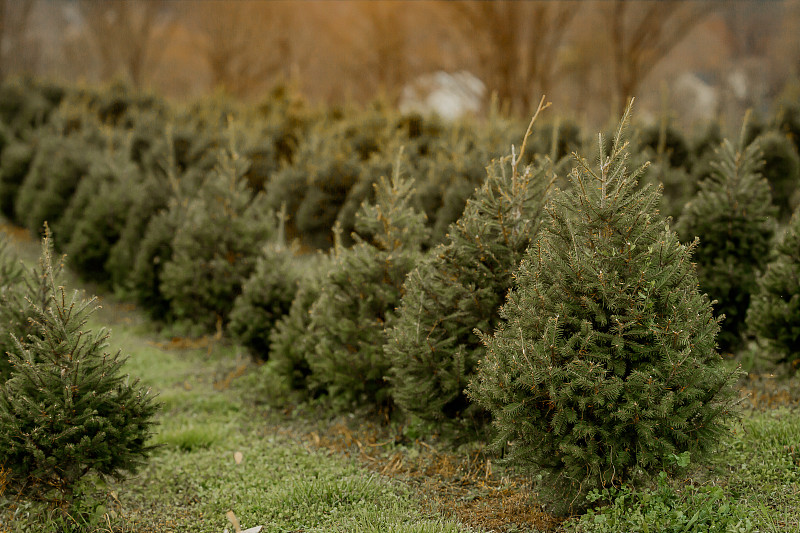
x=559, y=305
x=519, y=49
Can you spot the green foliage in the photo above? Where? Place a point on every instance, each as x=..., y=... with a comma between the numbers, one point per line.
x=698, y=509
x=732, y=216
x=358, y=298
x=154, y=250
x=604, y=364
x=666, y=143
x=161, y=186
x=215, y=245
x=678, y=187
x=266, y=296
x=22, y=291
x=782, y=171
x=56, y=170
x=15, y=161
x=10, y=269
x=459, y=286
x=774, y=313
x=290, y=344
x=787, y=121
x=67, y=411
x=11, y=275
x=97, y=213
x=25, y=104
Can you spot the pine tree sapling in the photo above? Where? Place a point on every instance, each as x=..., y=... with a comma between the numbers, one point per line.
x=604, y=362
x=215, y=245
x=22, y=290
x=781, y=170
x=15, y=161
x=290, y=343
x=774, y=313
x=359, y=296
x=266, y=296
x=732, y=216
x=67, y=411
x=459, y=286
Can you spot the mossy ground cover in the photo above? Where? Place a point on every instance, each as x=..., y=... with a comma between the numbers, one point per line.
x=303, y=469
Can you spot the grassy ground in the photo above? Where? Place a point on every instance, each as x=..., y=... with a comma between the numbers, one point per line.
x=224, y=454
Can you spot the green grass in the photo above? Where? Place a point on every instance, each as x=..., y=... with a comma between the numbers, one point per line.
x=753, y=484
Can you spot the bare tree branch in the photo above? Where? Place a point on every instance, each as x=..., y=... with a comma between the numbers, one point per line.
x=520, y=42
x=642, y=34
x=246, y=44
x=128, y=36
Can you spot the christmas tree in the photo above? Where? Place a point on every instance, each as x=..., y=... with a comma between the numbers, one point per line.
x=358, y=298
x=459, y=286
x=290, y=344
x=604, y=363
x=732, y=216
x=774, y=313
x=216, y=243
x=67, y=411
x=22, y=290
x=266, y=296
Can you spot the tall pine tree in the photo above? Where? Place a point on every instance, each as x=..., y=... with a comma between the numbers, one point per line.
x=459, y=286
x=733, y=217
x=604, y=363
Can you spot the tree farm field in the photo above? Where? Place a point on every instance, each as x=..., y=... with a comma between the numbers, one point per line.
x=227, y=459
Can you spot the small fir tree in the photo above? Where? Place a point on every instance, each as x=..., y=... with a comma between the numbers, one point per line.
x=358, y=298
x=11, y=275
x=266, y=296
x=10, y=268
x=215, y=245
x=95, y=218
x=459, y=286
x=604, y=364
x=15, y=162
x=781, y=170
x=60, y=164
x=732, y=216
x=67, y=411
x=22, y=290
x=774, y=313
x=290, y=344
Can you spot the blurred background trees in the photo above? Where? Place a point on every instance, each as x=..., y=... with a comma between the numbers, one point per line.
x=743, y=53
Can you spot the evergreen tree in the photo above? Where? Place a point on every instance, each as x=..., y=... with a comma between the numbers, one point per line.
x=95, y=217
x=10, y=268
x=290, y=343
x=604, y=363
x=459, y=286
x=732, y=216
x=215, y=244
x=266, y=296
x=781, y=170
x=11, y=275
x=60, y=163
x=15, y=162
x=358, y=298
x=22, y=291
x=774, y=313
x=67, y=411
